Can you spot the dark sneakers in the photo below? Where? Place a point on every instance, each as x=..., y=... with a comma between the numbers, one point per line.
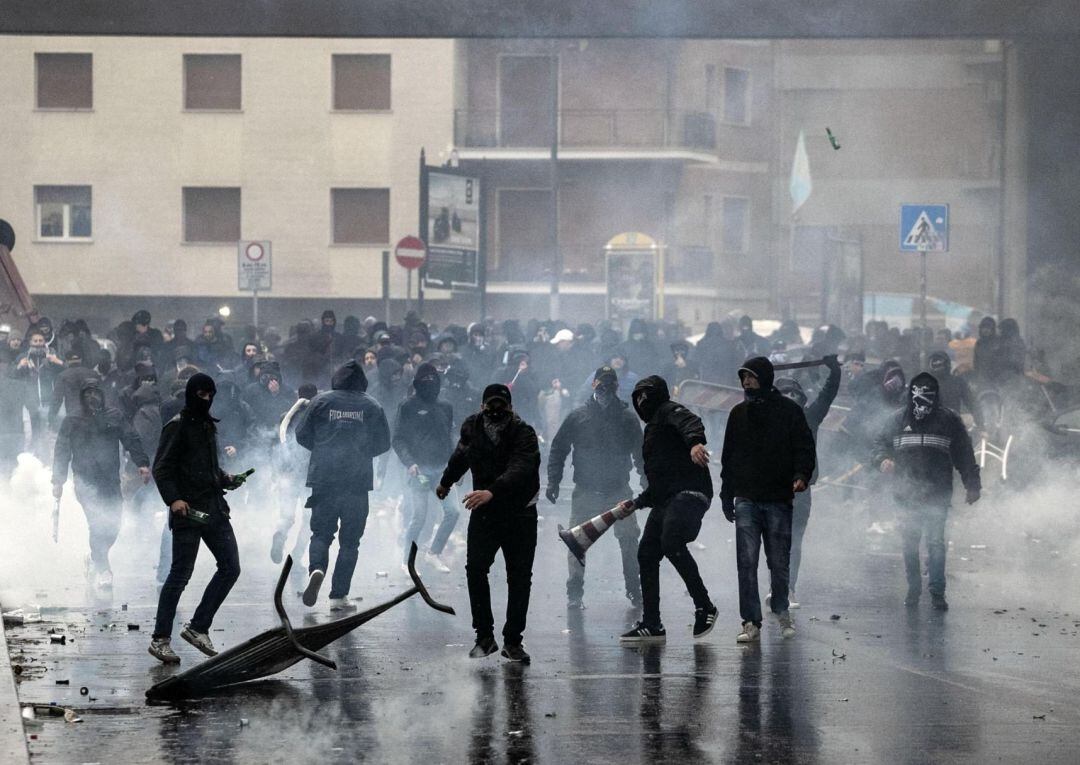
x=643, y=634
x=314, y=582
x=913, y=595
x=484, y=647
x=704, y=619
x=938, y=602
x=516, y=653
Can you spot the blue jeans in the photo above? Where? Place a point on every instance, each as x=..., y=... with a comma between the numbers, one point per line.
x=328, y=508
x=800, y=517
x=914, y=522
x=219, y=538
x=760, y=524
x=420, y=497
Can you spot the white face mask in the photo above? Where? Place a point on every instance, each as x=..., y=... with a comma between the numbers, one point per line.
x=923, y=398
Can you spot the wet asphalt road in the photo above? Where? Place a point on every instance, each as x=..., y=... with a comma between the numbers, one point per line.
x=994, y=679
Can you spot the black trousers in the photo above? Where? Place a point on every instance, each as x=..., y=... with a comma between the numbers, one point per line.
x=513, y=532
x=219, y=538
x=667, y=532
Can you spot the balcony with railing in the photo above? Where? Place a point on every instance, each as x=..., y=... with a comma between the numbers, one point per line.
x=586, y=129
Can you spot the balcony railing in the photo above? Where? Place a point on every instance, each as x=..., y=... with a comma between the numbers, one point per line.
x=585, y=129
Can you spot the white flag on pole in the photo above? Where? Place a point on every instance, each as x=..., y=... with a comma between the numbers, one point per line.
x=800, y=186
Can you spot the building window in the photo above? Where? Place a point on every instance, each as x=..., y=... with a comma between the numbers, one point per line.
x=64, y=80
x=63, y=212
x=736, y=96
x=212, y=82
x=211, y=214
x=361, y=216
x=736, y=225
x=710, y=87
x=361, y=82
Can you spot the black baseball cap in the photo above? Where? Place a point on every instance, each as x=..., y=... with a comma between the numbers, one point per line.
x=606, y=373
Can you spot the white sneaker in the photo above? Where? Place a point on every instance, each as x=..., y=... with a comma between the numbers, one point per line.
x=314, y=582
x=436, y=563
x=751, y=633
x=787, y=625
x=768, y=600
x=342, y=604
x=199, y=639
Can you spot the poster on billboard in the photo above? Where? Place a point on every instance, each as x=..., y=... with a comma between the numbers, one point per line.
x=631, y=265
x=453, y=230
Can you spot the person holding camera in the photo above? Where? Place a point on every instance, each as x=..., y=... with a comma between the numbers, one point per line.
x=37, y=369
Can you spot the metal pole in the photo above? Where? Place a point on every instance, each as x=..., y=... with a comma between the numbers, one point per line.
x=408, y=291
x=922, y=309
x=255, y=307
x=386, y=285
x=556, y=260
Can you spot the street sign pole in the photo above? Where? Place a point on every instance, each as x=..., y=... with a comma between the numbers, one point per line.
x=255, y=307
x=408, y=291
x=386, y=285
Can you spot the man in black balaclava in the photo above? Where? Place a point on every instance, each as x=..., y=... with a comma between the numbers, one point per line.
x=605, y=437
x=749, y=343
x=89, y=440
x=423, y=441
x=679, y=493
x=344, y=429
x=920, y=448
x=502, y=452
x=768, y=458
x=192, y=484
x=815, y=415
x=988, y=350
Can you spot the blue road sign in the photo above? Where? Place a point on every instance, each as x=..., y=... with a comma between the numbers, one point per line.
x=924, y=228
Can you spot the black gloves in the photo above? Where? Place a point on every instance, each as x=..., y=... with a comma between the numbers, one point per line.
x=831, y=362
x=552, y=493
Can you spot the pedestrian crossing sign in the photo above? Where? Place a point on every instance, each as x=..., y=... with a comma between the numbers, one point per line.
x=924, y=228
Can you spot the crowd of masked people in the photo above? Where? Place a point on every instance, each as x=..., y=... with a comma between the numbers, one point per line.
x=274, y=401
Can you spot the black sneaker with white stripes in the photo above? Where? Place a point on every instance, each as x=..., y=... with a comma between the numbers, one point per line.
x=704, y=619
x=642, y=633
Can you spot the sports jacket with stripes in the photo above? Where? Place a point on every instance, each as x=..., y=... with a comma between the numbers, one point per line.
x=925, y=452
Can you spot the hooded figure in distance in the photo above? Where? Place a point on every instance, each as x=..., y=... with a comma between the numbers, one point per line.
x=89, y=441
x=423, y=441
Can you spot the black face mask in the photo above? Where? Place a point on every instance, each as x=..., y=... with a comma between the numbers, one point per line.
x=605, y=394
x=496, y=416
x=427, y=388
x=754, y=395
x=95, y=402
x=202, y=406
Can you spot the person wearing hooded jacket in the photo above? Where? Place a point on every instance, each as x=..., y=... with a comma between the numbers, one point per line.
x=344, y=429
x=815, y=415
x=423, y=441
x=192, y=484
x=502, y=453
x=924, y=442
x=955, y=392
x=605, y=438
x=679, y=492
x=768, y=458
x=89, y=441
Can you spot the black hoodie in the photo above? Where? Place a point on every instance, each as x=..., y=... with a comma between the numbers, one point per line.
x=510, y=470
x=186, y=466
x=767, y=445
x=344, y=429
x=423, y=429
x=671, y=430
x=606, y=442
x=926, y=450
x=90, y=442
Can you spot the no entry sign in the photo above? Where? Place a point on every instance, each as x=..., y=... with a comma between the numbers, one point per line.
x=410, y=252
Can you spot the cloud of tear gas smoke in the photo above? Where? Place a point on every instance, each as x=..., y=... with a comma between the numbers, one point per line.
x=30, y=562
x=1020, y=543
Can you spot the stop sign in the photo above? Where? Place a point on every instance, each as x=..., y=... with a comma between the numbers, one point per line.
x=410, y=252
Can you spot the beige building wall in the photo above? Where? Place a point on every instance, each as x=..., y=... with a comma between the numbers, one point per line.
x=285, y=149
